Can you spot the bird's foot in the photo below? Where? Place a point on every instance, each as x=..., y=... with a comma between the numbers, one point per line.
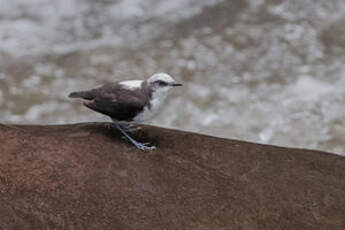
x=144, y=146
x=139, y=145
x=109, y=126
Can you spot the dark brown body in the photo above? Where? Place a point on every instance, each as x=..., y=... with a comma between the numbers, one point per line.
x=115, y=101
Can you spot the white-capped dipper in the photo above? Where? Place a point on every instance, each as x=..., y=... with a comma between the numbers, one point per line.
x=128, y=103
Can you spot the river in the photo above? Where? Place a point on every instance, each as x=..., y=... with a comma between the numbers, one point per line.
x=267, y=71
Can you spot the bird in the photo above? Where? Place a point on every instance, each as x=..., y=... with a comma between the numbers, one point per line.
x=129, y=103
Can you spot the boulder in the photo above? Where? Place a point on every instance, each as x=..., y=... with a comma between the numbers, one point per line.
x=85, y=176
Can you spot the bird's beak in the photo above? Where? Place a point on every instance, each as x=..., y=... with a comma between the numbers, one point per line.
x=176, y=84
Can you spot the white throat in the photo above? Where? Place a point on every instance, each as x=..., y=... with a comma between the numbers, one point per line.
x=158, y=97
x=157, y=100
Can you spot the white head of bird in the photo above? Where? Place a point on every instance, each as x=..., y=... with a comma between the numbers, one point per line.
x=162, y=82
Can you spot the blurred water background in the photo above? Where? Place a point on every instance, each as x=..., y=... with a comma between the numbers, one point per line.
x=269, y=71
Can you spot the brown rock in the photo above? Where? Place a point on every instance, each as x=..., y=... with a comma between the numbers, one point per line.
x=85, y=176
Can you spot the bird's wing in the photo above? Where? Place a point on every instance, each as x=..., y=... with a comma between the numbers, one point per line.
x=119, y=103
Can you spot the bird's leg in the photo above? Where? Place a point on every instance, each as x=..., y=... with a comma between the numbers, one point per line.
x=131, y=127
x=139, y=145
x=109, y=125
x=128, y=127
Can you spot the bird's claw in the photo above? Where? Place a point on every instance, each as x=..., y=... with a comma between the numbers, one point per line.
x=145, y=146
x=142, y=146
x=139, y=145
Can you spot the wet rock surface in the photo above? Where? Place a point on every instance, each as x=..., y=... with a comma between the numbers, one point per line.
x=84, y=176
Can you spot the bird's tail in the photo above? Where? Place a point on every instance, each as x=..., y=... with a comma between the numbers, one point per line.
x=81, y=94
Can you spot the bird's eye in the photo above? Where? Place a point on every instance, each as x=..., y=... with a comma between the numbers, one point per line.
x=162, y=83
